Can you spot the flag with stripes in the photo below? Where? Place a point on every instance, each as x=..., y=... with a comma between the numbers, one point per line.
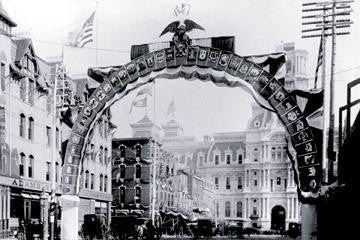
x=320, y=60
x=86, y=35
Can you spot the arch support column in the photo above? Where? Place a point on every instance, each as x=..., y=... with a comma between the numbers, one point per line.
x=308, y=221
x=69, y=217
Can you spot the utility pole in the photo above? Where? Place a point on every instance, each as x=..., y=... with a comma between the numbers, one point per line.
x=324, y=19
x=59, y=75
x=329, y=18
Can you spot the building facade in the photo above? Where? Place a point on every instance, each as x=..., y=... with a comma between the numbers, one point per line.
x=27, y=131
x=142, y=180
x=28, y=134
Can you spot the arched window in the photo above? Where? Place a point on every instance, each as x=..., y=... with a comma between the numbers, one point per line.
x=22, y=164
x=31, y=129
x=101, y=183
x=227, y=209
x=273, y=153
x=122, y=171
x=30, y=166
x=122, y=195
x=122, y=151
x=101, y=154
x=137, y=171
x=87, y=176
x=137, y=195
x=57, y=172
x=22, y=125
x=138, y=151
x=106, y=156
x=105, y=183
x=239, y=209
x=92, y=181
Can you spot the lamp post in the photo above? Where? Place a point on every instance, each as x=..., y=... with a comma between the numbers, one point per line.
x=43, y=201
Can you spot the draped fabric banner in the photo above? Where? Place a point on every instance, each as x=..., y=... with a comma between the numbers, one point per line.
x=223, y=43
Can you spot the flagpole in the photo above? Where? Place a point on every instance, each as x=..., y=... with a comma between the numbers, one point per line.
x=96, y=36
x=154, y=168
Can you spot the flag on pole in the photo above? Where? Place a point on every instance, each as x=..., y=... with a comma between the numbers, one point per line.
x=86, y=34
x=320, y=60
x=146, y=90
x=171, y=108
x=142, y=102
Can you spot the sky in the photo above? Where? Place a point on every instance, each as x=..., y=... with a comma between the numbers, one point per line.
x=202, y=108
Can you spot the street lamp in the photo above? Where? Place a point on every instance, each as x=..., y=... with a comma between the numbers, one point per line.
x=43, y=200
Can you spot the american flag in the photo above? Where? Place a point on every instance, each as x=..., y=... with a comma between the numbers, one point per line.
x=320, y=60
x=86, y=35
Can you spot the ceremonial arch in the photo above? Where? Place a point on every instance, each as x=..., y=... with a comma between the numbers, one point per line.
x=223, y=68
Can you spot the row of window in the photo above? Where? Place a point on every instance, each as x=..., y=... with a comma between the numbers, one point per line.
x=48, y=171
x=227, y=183
x=240, y=183
x=29, y=131
x=122, y=194
x=89, y=181
x=122, y=171
x=26, y=166
x=228, y=158
x=227, y=210
x=137, y=147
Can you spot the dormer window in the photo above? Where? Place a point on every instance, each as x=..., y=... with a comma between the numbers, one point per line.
x=228, y=158
x=217, y=159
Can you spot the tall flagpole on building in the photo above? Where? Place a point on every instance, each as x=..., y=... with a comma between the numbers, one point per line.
x=96, y=36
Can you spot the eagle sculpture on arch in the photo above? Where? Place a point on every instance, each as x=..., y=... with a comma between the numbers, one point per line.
x=187, y=25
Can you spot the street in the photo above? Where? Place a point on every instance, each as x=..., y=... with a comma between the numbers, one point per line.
x=258, y=237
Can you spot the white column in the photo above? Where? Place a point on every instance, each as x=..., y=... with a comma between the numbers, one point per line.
x=296, y=209
x=268, y=177
x=69, y=217
x=261, y=208
x=287, y=208
x=290, y=216
x=288, y=176
x=308, y=221
x=267, y=208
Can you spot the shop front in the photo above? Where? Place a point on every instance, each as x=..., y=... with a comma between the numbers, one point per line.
x=26, y=208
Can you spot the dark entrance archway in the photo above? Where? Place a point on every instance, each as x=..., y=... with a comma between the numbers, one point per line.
x=278, y=218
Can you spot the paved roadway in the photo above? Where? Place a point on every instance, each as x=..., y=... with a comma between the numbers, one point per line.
x=252, y=237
